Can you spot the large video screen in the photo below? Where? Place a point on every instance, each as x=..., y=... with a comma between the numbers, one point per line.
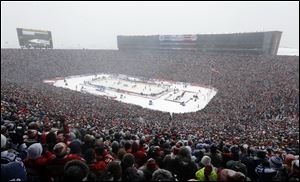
x=30, y=38
x=177, y=38
x=177, y=41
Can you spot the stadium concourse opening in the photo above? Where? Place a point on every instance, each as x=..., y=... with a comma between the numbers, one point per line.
x=161, y=95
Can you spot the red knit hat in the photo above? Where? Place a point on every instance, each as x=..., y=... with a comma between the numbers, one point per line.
x=139, y=155
x=151, y=164
x=175, y=150
x=289, y=158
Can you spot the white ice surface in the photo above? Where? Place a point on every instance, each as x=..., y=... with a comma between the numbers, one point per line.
x=159, y=103
x=288, y=51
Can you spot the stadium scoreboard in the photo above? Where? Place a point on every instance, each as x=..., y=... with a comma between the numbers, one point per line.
x=31, y=38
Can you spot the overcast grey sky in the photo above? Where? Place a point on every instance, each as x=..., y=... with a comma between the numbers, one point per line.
x=97, y=24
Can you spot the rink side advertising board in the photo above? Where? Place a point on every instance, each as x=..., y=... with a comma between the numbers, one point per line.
x=31, y=38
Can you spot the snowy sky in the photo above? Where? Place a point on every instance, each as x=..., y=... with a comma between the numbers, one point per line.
x=96, y=24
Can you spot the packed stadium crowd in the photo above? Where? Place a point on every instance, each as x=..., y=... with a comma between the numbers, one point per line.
x=248, y=131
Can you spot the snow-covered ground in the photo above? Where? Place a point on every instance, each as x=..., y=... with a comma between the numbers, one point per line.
x=288, y=51
x=166, y=96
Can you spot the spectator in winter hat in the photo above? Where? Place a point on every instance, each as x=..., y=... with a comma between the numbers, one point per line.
x=75, y=151
x=75, y=170
x=162, y=175
x=35, y=151
x=75, y=147
x=35, y=163
x=184, y=153
x=149, y=168
x=206, y=160
x=189, y=148
x=61, y=150
x=275, y=162
x=199, y=146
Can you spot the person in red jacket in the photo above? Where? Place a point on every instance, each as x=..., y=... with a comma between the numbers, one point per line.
x=102, y=155
x=55, y=166
x=75, y=151
x=94, y=165
x=34, y=171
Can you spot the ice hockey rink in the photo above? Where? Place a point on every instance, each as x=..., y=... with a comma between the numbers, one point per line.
x=161, y=95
